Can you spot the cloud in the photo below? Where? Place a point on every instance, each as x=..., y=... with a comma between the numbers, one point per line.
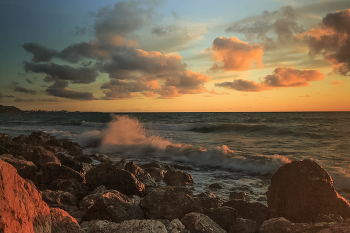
x=233, y=54
x=22, y=89
x=281, y=77
x=60, y=89
x=24, y=100
x=63, y=72
x=332, y=40
x=47, y=100
x=28, y=81
x=5, y=96
x=40, y=52
x=281, y=24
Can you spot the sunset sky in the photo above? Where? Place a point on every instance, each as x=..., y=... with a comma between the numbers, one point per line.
x=193, y=55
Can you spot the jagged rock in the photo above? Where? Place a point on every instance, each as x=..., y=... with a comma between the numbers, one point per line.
x=39, y=137
x=178, y=178
x=53, y=171
x=79, y=189
x=200, y=223
x=42, y=156
x=249, y=210
x=245, y=226
x=224, y=216
x=209, y=200
x=176, y=226
x=100, y=226
x=276, y=225
x=26, y=169
x=169, y=203
x=114, y=178
x=238, y=196
x=72, y=148
x=215, y=186
x=153, y=164
x=156, y=173
x=300, y=190
x=140, y=174
x=62, y=222
x=113, y=206
x=89, y=200
x=59, y=197
x=70, y=162
x=132, y=226
x=21, y=206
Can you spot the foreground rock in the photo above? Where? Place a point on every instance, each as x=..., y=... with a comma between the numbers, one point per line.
x=178, y=178
x=224, y=216
x=169, y=203
x=200, y=223
x=62, y=222
x=300, y=190
x=21, y=206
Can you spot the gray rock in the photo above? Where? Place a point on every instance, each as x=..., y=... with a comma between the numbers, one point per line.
x=200, y=223
x=176, y=226
x=156, y=173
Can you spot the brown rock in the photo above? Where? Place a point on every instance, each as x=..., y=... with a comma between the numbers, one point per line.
x=246, y=226
x=70, y=162
x=62, y=222
x=169, y=203
x=156, y=173
x=300, y=190
x=200, y=223
x=215, y=186
x=238, y=196
x=224, y=216
x=79, y=189
x=114, y=178
x=153, y=164
x=42, y=156
x=21, y=206
x=59, y=197
x=209, y=200
x=178, y=178
x=26, y=169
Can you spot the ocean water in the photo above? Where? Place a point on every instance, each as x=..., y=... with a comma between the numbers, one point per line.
x=241, y=151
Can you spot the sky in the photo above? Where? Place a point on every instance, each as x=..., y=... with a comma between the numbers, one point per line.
x=175, y=56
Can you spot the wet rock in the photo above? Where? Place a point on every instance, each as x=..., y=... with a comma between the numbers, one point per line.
x=215, y=186
x=113, y=206
x=224, y=216
x=169, y=203
x=178, y=178
x=59, y=197
x=114, y=178
x=200, y=223
x=102, y=158
x=249, y=210
x=209, y=200
x=153, y=164
x=156, y=173
x=245, y=226
x=79, y=189
x=140, y=174
x=62, y=222
x=238, y=196
x=53, y=171
x=21, y=206
x=26, y=169
x=300, y=190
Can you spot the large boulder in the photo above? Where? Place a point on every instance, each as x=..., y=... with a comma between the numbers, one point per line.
x=114, y=178
x=62, y=222
x=178, y=178
x=156, y=173
x=26, y=169
x=53, y=171
x=140, y=174
x=113, y=206
x=224, y=216
x=42, y=156
x=21, y=206
x=200, y=223
x=169, y=203
x=300, y=190
x=209, y=200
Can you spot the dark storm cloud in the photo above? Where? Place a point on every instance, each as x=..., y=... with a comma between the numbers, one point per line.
x=40, y=52
x=60, y=89
x=63, y=72
x=281, y=77
x=332, y=40
x=282, y=23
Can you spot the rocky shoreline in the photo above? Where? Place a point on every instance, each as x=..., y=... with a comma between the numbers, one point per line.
x=50, y=185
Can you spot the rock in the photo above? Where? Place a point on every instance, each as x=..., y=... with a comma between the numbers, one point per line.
x=224, y=216
x=70, y=162
x=121, y=164
x=53, y=171
x=132, y=226
x=113, y=206
x=238, y=196
x=249, y=210
x=246, y=226
x=169, y=203
x=26, y=169
x=209, y=200
x=153, y=164
x=62, y=222
x=140, y=174
x=275, y=225
x=178, y=178
x=42, y=156
x=136, y=199
x=39, y=137
x=100, y=226
x=59, y=197
x=21, y=206
x=79, y=189
x=215, y=186
x=156, y=173
x=176, y=226
x=200, y=223
x=89, y=200
x=300, y=190
x=72, y=148
x=113, y=178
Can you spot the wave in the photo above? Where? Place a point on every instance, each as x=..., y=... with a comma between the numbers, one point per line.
x=209, y=128
x=126, y=136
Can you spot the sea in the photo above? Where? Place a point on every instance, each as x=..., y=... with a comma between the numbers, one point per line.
x=239, y=150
